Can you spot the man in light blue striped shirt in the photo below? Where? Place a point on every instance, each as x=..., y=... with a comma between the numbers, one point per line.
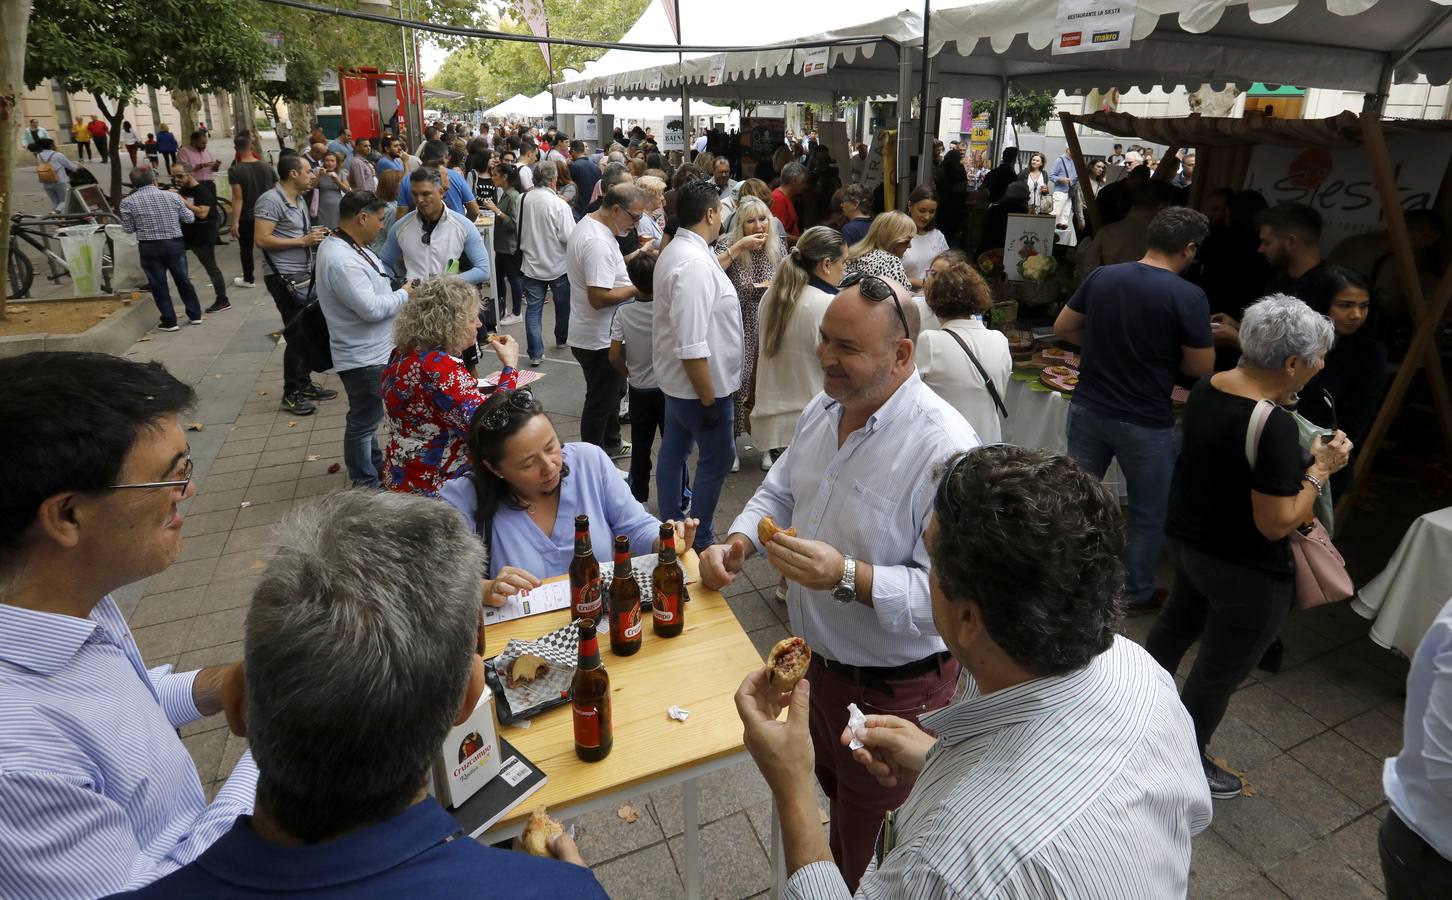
x=97, y=792
x=1066, y=768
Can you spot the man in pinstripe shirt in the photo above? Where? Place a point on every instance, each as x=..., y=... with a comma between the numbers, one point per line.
x=1067, y=766
x=97, y=792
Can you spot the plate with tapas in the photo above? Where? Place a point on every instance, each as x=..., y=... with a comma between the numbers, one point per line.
x=1061, y=378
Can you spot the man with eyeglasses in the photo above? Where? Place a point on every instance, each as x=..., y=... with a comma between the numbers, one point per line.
x=97, y=792
x=857, y=484
x=598, y=284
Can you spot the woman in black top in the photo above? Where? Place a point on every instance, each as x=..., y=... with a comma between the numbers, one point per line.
x=1230, y=521
x=1347, y=393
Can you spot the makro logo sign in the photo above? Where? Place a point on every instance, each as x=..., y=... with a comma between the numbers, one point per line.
x=1105, y=37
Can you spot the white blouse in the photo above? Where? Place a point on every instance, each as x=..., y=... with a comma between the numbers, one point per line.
x=920, y=254
x=946, y=369
x=787, y=382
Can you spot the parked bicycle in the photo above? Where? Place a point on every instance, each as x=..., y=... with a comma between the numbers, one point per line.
x=40, y=233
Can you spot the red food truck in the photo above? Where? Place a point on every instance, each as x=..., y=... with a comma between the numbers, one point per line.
x=368, y=102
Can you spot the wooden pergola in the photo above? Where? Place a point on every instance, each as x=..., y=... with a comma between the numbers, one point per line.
x=1222, y=153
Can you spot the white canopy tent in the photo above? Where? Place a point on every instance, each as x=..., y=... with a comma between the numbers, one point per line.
x=514, y=106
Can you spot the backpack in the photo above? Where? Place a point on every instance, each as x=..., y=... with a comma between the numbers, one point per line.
x=46, y=172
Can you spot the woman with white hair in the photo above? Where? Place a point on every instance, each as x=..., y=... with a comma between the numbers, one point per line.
x=1243, y=484
x=750, y=253
x=652, y=224
x=881, y=252
x=427, y=392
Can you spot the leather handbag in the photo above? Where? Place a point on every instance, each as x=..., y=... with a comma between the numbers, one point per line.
x=1321, y=575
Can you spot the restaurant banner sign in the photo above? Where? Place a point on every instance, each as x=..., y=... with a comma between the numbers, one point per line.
x=1088, y=26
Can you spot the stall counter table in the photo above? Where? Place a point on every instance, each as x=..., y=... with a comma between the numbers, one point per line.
x=698, y=670
x=1406, y=597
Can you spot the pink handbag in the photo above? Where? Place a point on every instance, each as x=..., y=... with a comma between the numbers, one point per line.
x=1321, y=575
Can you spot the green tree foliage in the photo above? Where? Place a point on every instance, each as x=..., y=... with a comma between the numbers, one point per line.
x=112, y=48
x=463, y=72
x=514, y=67
x=1031, y=109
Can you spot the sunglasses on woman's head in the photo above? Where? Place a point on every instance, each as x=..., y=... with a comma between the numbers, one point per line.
x=514, y=401
x=877, y=290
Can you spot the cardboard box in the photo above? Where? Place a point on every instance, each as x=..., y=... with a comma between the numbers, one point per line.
x=469, y=757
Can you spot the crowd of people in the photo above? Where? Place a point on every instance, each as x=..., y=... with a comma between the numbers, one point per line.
x=965, y=593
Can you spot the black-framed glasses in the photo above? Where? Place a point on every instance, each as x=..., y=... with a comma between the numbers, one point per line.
x=877, y=289
x=180, y=483
x=514, y=401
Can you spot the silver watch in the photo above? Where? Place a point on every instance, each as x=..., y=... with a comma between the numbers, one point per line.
x=846, y=589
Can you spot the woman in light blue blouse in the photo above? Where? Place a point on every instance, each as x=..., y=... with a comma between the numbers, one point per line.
x=525, y=488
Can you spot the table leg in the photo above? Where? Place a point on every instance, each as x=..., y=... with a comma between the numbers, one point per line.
x=693, y=840
x=778, y=856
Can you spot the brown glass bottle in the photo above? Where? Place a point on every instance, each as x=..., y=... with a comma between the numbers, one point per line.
x=590, y=699
x=625, y=624
x=585, y=600
x=668, y=582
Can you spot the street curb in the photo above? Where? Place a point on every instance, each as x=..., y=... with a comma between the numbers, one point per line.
x=114, y=334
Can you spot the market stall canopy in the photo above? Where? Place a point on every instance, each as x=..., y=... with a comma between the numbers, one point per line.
x=514, y=106
x=867, y=64
x=1341, y=44
x=645, y=108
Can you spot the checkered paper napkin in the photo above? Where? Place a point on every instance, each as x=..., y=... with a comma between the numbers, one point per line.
x=560, y=648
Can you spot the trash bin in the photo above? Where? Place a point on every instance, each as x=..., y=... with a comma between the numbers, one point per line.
x=126, y=272
x=82, y=247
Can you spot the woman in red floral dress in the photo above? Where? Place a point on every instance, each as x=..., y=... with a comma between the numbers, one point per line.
x=427, y=392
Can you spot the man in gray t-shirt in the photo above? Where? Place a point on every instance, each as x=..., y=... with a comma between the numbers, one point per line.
x=286, y=235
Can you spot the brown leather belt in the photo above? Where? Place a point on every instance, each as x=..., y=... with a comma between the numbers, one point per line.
x=880, y=677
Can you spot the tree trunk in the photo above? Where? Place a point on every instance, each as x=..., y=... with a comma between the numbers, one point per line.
x=114, y=120
x=12, y=92
x=223, y=123
x=243, y=115
x=301, y=117
x=189, y=108
x=155, y=104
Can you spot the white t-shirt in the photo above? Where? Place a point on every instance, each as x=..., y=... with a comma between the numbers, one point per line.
x=545, y=224
x=697, y=316
x=592, y=260
x=920, y=255
x=526, y=176
x=634, y=327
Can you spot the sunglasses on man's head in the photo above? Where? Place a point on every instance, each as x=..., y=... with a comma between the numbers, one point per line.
x=877, y=290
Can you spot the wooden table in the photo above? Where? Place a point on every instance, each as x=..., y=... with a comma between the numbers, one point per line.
x=698, y=670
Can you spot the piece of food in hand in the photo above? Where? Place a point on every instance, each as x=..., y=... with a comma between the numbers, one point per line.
x=768, y=527
x=788, y=662
x=537, y=833
x=527, y=668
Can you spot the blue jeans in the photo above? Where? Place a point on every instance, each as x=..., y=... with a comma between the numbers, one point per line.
x=683, y=428
x=508, y=276
x=1147, y=458
x=157, y=259
x=361, y=455
x=534, y=295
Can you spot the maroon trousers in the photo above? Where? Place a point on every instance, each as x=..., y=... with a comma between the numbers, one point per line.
x=858, y=801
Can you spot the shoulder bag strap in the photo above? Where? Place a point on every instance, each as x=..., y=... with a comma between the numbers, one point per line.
x=988, y=382
x=1254, y=428
x=519, y=225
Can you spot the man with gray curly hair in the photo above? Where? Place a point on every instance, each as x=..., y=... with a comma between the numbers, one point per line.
x=359, y=658
x=1066, y=768
x=1140, y=326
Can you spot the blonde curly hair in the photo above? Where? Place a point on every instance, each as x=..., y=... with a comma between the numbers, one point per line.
x=435, y=314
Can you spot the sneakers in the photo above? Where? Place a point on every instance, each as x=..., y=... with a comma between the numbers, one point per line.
x=162, y=326
x=767, y=458
x=298, y=405
x=194, y=321
x=243, y=283
x=317, y=392
x=736, y=463
x=623, y=452
x=534, y=361
x=513, y=319
x=219, y=306
x=1223, y=784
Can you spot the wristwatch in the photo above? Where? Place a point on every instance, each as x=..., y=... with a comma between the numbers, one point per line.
x=846, y=589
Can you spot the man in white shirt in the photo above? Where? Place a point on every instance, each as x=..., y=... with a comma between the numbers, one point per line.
x=359, y=305
x=545, y=224
x=700, y=144
x=1067, y=768
x=699, y=349
x=1416, y=836
x=598, y=284
x=857, y=484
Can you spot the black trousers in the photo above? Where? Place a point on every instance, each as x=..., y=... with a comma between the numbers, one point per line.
x=83, y=150
x=647, y=419
x=207, y=255
x=1235, y=612
x=296, y=375
x=600, y=419
x=244, y=245
x=1412, y=869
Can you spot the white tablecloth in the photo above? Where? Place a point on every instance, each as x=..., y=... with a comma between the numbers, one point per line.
x=1407, y=595
x=1041, y=420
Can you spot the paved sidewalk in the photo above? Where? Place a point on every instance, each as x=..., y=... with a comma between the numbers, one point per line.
x=1311, y=739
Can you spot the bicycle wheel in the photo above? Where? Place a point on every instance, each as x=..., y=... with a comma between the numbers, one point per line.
x=224, y=215
x=21, y=272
